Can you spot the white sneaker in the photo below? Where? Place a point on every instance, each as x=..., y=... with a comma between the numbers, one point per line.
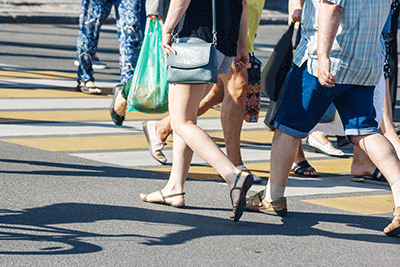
x=257, y=179
x=97, y=64
x=155, y=144
x=327, y=149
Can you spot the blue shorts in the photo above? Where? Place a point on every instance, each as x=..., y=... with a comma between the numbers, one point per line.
x=305, y=100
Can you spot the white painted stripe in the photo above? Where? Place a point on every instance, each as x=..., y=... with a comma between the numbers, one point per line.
x=55, y=103
x=143, y=158
x=98, y=127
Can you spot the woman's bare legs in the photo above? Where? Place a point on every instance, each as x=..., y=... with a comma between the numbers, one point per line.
x=184, y=101
x=214, y=97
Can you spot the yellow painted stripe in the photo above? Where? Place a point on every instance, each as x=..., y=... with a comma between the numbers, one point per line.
x=368, y=205
x=259, y=137
x=332, y=165
x=11, y=74
x=85, y=143
x=69, y=115
x=44, y=93
x=324, y=167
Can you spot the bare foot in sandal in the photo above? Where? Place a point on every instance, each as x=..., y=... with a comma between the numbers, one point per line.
x=88, y=88
x=167, y=198
x=303, y=168
x=238, y=191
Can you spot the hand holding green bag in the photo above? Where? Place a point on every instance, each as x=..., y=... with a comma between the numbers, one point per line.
x=148, y=88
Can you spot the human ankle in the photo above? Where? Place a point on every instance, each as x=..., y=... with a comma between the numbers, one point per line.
x=273, y=192
x=360, y=169
x=320, y=138
x=162, y=131
x=120, y=105
x=396, y=193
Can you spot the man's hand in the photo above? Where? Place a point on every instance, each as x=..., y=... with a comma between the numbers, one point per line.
x=324, y=73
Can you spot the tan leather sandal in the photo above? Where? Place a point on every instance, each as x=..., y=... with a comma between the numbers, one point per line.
x=257, y=203
x=163, y=201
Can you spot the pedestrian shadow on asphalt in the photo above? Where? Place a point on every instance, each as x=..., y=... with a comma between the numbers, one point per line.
x=47, y=168
x=38, y=227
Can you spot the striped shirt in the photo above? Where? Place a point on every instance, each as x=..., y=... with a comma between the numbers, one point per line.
x=357, y=53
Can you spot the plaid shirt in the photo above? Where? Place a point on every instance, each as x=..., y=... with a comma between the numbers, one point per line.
x=357, y=53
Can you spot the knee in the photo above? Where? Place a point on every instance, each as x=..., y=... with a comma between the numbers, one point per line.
x=178, y=127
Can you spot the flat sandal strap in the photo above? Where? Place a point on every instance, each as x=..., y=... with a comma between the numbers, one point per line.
x=173, y=195
x=237, y=180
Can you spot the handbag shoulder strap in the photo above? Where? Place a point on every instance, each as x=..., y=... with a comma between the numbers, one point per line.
x=214, y=20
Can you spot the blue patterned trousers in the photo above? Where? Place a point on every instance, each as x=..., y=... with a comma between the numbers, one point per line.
x=131, y=22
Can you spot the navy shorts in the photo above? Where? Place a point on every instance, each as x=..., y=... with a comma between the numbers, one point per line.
x=305, y=100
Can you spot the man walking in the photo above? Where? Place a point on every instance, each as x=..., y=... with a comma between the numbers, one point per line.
x=340, y=60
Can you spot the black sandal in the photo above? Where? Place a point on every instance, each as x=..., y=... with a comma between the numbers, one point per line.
x=373, y=177
x=302, y=167
x=117, y=119
x=239, y=208
x=81, y=87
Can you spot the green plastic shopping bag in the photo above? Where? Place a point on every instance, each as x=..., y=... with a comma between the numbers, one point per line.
x=148, y=87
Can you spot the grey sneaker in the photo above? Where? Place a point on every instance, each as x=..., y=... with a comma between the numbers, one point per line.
x=257, y=179
x=155, y=144
x=257, y=203
x=393, y=228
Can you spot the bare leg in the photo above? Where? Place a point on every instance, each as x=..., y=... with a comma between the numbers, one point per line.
x=184, y=102
x=120, y=104
x=214, y=97
x=387, y=126
x=232, y=113
x=381, y=153
x=361, y=164
x=283, y=153
x=320, y=137
x=183, y=110
x=301, y=157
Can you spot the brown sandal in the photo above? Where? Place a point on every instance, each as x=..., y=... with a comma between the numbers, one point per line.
x=257, y=203
x=163, y=201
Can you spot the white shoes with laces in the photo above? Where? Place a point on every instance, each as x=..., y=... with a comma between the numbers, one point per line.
x=328, y=149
